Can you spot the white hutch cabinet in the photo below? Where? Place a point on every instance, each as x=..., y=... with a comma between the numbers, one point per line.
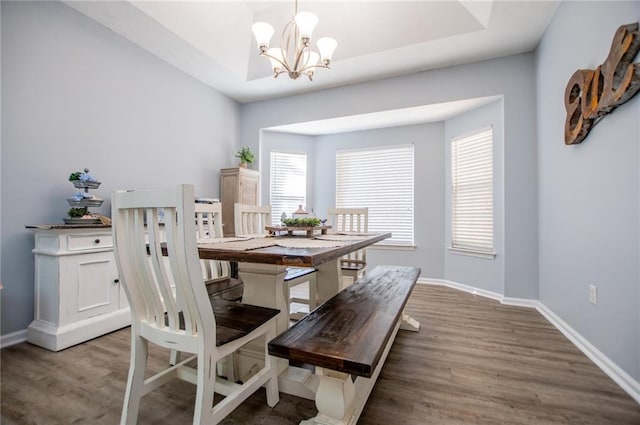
x=78, y=295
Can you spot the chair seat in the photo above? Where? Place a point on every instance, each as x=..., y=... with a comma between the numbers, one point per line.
x=296, y=272
x=233, y=319
x=226, y=288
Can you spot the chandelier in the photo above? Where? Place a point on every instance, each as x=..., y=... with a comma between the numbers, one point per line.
x=295, y=56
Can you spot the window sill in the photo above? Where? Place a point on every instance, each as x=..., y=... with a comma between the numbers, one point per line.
x=485, y=255
x=393, y=247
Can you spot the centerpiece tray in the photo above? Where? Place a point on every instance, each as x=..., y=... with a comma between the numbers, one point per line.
x=309, y=230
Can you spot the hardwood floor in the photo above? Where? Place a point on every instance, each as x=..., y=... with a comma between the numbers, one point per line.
x=474, y=361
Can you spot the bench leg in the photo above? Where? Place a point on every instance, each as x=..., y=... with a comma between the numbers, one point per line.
x=408, y=323
x=334, y=399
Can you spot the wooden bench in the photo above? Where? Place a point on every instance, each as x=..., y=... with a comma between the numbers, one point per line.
x=350, y=334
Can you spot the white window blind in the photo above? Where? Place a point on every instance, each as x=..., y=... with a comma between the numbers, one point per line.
x=288, y=187
x=472, y=192
x=381, y=179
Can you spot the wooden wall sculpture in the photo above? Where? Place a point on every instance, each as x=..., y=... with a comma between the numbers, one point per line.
x=592, y=94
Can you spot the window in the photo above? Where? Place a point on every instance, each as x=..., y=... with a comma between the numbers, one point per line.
x=288, y=183
x=472, y=193
x=381, y=179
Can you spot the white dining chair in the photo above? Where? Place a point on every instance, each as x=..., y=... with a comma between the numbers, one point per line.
x=217, y=274
x=170, y=307
x=356, y=220
x=251, y=220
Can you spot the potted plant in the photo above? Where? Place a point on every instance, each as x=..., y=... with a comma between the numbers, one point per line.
x=246, y=156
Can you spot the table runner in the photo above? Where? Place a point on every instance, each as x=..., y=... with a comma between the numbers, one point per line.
x=243, y=244
x=341, y=237
x=306, y=243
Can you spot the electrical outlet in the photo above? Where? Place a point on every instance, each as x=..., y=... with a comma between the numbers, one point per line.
x=593, y=294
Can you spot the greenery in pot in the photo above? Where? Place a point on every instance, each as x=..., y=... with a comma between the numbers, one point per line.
x=302, y=222
x=78, y=212
x=75, y=176
x=246, y=156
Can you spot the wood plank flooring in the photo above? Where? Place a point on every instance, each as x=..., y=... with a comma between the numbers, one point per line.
x=474, y=361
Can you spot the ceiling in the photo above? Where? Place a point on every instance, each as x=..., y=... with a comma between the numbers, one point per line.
x=212, y=40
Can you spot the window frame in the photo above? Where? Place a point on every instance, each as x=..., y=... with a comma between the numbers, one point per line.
x=483, y=184
x=276, y=215
x=379, y=212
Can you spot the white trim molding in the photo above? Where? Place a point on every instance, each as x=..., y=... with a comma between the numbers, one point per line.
x=619, y=376
x=612, y=370
x=13, y=338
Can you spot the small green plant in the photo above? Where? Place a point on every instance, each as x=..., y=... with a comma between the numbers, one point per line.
x=78, y=212
x=302, y=222
x=245, y=155
x=75, y=176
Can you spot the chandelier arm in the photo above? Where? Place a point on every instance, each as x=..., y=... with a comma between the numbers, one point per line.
x=284, y=64
x=285, y=41
x=318, y=65
x=299, y=54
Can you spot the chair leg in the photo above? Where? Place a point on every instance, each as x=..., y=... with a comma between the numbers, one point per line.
x=206, y=380
x=273, y=394
x=227, y=368
x=135, y=382
x=174, y=358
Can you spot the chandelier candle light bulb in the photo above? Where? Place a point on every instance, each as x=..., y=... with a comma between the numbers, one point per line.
x=295, y=56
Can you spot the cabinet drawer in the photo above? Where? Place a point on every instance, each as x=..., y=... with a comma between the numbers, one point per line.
x=88, y=242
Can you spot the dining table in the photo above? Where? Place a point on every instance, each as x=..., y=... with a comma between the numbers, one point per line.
x=262, y=266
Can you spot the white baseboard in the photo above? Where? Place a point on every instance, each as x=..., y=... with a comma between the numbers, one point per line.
x=619, y=376
x=613, y=371
x=463, y=287
x=13, y=338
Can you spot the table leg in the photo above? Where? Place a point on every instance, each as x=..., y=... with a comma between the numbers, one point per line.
x=328, y=280
x=264, y=286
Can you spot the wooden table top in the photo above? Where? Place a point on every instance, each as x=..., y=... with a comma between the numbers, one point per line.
x=300, y=257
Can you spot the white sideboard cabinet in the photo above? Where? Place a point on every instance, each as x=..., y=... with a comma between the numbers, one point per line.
x=78, y=295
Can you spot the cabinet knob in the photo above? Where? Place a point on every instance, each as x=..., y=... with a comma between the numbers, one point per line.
x=115, y=281
x=96, y=241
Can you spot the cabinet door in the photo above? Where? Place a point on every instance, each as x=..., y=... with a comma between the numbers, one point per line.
x=249, y=190
x=90, y=286
x=228, y=189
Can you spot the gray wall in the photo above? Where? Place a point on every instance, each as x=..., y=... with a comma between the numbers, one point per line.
x=429, y=188
x=75, y=95
x=589, y=193
x=488, y=274
x=512, y=77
